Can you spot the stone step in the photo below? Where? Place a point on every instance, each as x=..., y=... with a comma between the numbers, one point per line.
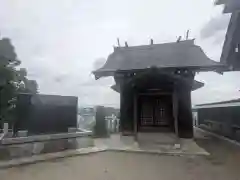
x=157, y=138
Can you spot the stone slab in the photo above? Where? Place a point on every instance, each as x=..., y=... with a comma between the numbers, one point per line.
x=49, y=156
x=85, y=151
x=117, y=144
x=161, y=138
x=219, y=136
x=46, y=137
x=20, y=150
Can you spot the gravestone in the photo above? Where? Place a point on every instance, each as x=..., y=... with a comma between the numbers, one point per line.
x=5, y=128
x=22, y=133
x=100, y=129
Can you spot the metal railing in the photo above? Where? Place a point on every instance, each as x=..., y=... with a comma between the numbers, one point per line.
x=112, y=124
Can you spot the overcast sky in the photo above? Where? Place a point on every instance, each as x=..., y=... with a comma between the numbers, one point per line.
x=61, y=41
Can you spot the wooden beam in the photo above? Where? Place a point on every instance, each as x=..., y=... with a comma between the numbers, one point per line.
x=135, y=114
x=175, y=111
x=155, y=93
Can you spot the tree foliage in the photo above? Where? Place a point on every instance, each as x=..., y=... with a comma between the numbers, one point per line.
x=8, y=74
x=25, y=85
x=12, y=80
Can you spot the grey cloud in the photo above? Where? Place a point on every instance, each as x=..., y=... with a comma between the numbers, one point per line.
x=217, y=87
x=98, y=63
x=214, y=25
x=61, y=41
x=60, y=78
x=219, y=37
x=103, y=82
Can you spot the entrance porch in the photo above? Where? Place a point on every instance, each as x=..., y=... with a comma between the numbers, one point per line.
x=117, y=142
x=154, y=102
x=155, y=119
x=155, y=113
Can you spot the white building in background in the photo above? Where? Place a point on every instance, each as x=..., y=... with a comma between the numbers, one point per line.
x=112, y=123
x=86, y=118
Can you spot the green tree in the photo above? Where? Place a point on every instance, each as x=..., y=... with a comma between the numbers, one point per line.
x=26, y=85
x=8, y=74
x=12, y=81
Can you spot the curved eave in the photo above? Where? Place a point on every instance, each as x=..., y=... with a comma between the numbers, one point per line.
x=196, y=85
x=116, y=88
x=103, y=73
x=218, y=67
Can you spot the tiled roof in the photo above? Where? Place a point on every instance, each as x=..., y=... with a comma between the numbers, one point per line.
x=183, y=54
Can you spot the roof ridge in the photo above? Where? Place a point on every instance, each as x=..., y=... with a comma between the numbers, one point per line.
x=186, y=42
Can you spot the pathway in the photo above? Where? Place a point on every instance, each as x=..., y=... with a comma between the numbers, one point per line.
x=222, y=164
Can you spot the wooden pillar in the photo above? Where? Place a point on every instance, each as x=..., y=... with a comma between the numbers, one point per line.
x=175, y=111
x=135, y=104
x=185, y=120
x=127, y=111
x=121, y=111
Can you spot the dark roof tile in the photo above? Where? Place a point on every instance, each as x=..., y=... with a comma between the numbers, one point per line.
x=167, y=55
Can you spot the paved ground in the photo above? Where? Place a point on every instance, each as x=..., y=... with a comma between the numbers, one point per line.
x=165, y=143
x=223, y=164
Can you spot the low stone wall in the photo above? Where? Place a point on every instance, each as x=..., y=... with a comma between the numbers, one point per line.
x=31, y=145
x=223, y=131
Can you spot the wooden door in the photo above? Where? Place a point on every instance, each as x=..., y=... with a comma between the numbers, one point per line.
x=162, y=112
x=155, y=113
x=146, y=111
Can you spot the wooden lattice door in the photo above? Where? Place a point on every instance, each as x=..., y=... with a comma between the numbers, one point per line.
x=155, y=112
x=162, y=112
x=147, y=116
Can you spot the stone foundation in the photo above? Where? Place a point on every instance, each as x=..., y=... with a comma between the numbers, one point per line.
x=31, y=145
